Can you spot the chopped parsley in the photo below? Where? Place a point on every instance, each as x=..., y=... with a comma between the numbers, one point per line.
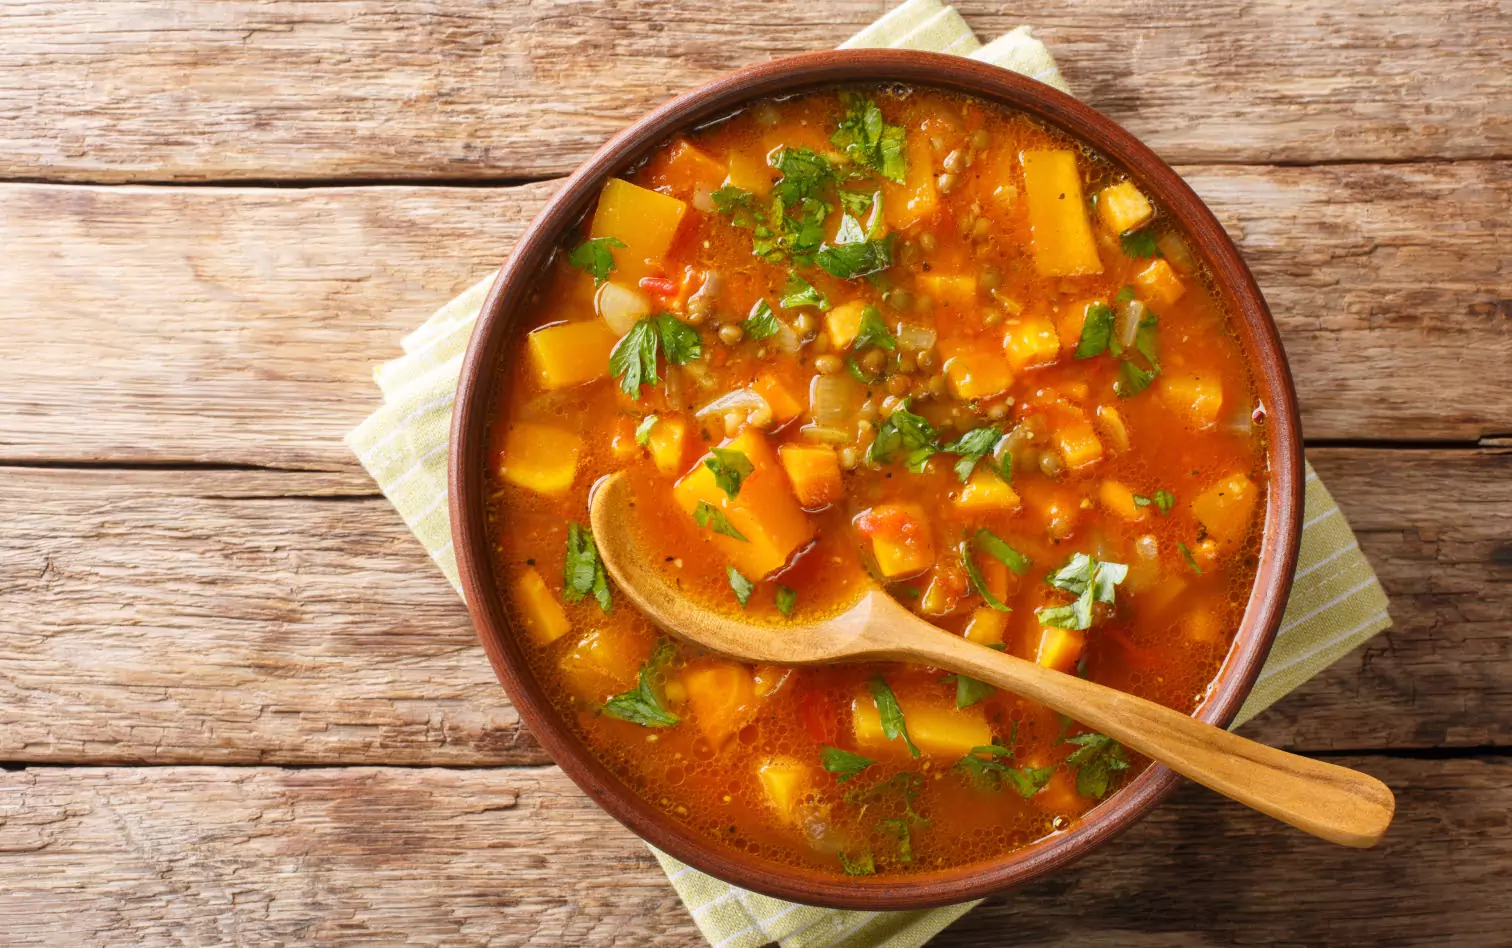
x=857, y=203
x=1163, y=500
x=741, y=586
x=866, y=139
x=583, y=571
x=708, y=515
x=1140, y=244
x=633, y=359
x=762, y=323
x=972, y=447
x=851, y=260
x=1097, y=331
x=901, y=829
x=800, y=292
x=968, y=690
x=985, y=767
x=1191, y=560
x=842, y=763
x=642, y=704
x=989, y=543
x=1125, y=294
x=854, y=368
x=890, y=714
x=786, y=599
x=1098, y=759
x=595, y=256
x=643, y=430
x=873, y=332
x=904, y=785
x=730, y=468
x=1090, y=581
x=978, y=582
x=903, y=430
x=862, y=865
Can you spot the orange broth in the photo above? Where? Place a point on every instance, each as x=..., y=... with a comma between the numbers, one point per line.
x=1059, y=315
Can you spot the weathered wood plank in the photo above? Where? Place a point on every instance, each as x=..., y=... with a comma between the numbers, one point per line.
x=160, y=856
x=298, y=89
x=320, y=633
x=241, y=325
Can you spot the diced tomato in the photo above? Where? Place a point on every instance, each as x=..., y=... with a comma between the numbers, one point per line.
x=889, y=523
x=659, y=286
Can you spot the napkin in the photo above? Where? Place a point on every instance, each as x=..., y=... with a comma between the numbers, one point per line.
x=1336, y=601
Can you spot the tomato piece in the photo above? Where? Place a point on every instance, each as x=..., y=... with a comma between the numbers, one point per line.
x=659, y=286
x=887, y=523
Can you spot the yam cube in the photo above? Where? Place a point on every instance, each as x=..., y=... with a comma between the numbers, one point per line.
x=786, y=405
x=1031, y=342
x=815, y=473
x=900, y=538
x=689, y=169
x=955, y=300
x=843, y=323
x=1203, y=626
x=750, y=172
x=940, y=596
x=985, y=492
x=646, y=221
x=785, y=781
x=569, y=354
x=540, y=458
x=975, y=373
x=765, y=511
x=1060, y=233
x=1074, y=438
x=1196, y=398
x=604, y=662
x=622, y=438
x=1159, y=283
x=906, y=204
x=540, y=611
x=1119, y=500
x=1059, y=648
x=666, y=442
x=945, y=732
x=986, y=626
x=721, y=697
x=1122, y=208
x=1227, y=508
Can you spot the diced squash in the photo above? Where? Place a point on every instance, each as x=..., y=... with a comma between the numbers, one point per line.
x=900, y=538
x=646, y=221
x=569, y=354
x=986, y=626
x=1202, y=625
x=1226, y=508
x=786, y=404
x=622, y=440
x=986, y=492
x=689, y=169
x=906, y=204
x=604, y=662
x=1059, y=648
x=750, y=172
x=995, y=576
x=1119, y=500
x=1060, y=234
x=944, y=732
x=1196, y=398
x=940, y=596
x=667, y=440
x=1074, y=438
x=1122, y=208
x=1159, y=284
x=767, y=679
x=721, y=697
x=765, y=512
x=1031, y=342
x=785, y=781
x=843, y=323
x=976, y=372
x=815, y=473
x=540, y=611
x=955, y=299
x=540, y=458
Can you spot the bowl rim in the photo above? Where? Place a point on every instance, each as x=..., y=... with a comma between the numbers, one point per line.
x=717, y=99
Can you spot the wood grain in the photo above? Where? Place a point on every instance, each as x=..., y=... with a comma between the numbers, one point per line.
x=116, y=91
x=242, y=325
x=281, y=617
x=167, y=856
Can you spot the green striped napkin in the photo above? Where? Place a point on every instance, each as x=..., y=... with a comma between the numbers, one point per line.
x=1336, y=601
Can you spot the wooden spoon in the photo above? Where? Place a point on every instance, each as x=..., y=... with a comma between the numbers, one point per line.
x=1332, y=802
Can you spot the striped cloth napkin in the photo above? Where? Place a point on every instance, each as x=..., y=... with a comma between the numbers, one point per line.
x=1336, y=602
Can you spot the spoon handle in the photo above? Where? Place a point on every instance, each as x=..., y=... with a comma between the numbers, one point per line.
x=1335, y=803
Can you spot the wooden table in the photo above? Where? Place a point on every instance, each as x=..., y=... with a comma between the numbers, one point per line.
x=237, y=703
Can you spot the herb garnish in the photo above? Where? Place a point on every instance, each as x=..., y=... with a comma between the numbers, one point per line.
x=730, y=468
x=869, y=141
x=642, y=705
x=842, y=763
x=1097, y=331
x=643, y=430
x=741, y=586
x=1191, y=560
x=856, y=258
x=1097, y=759
x=972, y=447
x=583, y=572
x=787, y=600
x=1090, y=581
x=990, y=772
x=633, y=359
x=800, y=292
x=873, y=332
x=862, y=865
x=595, y=256
x=1163, y=500
x=903, y=430
x=762, y=323
x=968, y=690
x=1140, y=244
x=978, y=582
x=994, y=547
x=890, y=714
x=706, y=514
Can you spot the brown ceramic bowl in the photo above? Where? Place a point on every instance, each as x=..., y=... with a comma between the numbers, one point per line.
x=491, y=345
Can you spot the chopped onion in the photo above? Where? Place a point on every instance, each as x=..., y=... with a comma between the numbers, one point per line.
x=742, y=400
x=620, y=306
x=703, y=200
x=834, y=400
x=786, y=339
x=915, y=338
x=825, y=435
x=1127, y=323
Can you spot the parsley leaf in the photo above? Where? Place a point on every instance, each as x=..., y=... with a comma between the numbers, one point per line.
x=1097, y=759
x=903, y=430
x=869, y=141
x=1090, y=581
x=595, y=256
x=1132, y=380
x=800, y=292
x=678, y=339
x=805, y=173
x=873, y=332
x=633, y=359
x=706, y=514
x=1140, y=244
x=968, y=690
x=972, y=447
x=1097, y=331
x=848, y=261
x=741, y=586
x=787, y=600
x=642, y=705
x=1002, y=552
x=583, y=571
x=856, y=203
x=643, y=430
x=854, y=368
x=1191, y=560
x=1163, y=500
x=862, y=865
x=736, y=202
x=761, y=324
x=890, y=714
x=905, y=836
x=1125, y=294
x=991, y=773
x=842, y=763
x=730, y=468
x=906, y=785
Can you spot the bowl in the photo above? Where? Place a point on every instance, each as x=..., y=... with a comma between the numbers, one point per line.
x=489, y=346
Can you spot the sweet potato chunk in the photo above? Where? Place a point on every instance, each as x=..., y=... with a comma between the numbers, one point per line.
x=906, y=204
x=721, y=696
x=765, y=512
x=785, y=781
x=1059, y=648
x=1227, y=508
x=569, y=354
x=843, y=323
x=1061, y=235
x=750, y=173
x=1159, y=284
x=900, y=538
x=688, y=169
x=986, y=626
x=540, y=458
x=604, y=662
x=815, y=473
x=1031, y=342
x=1122, y=207
x=1196, y=398
x=1074, y=438
x=646, y=221
x=1119, y=500
x=786, y=404
x=540, y=611
x=975, y=372
x=985, y=492
x=944, y=732
x=667, y=440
